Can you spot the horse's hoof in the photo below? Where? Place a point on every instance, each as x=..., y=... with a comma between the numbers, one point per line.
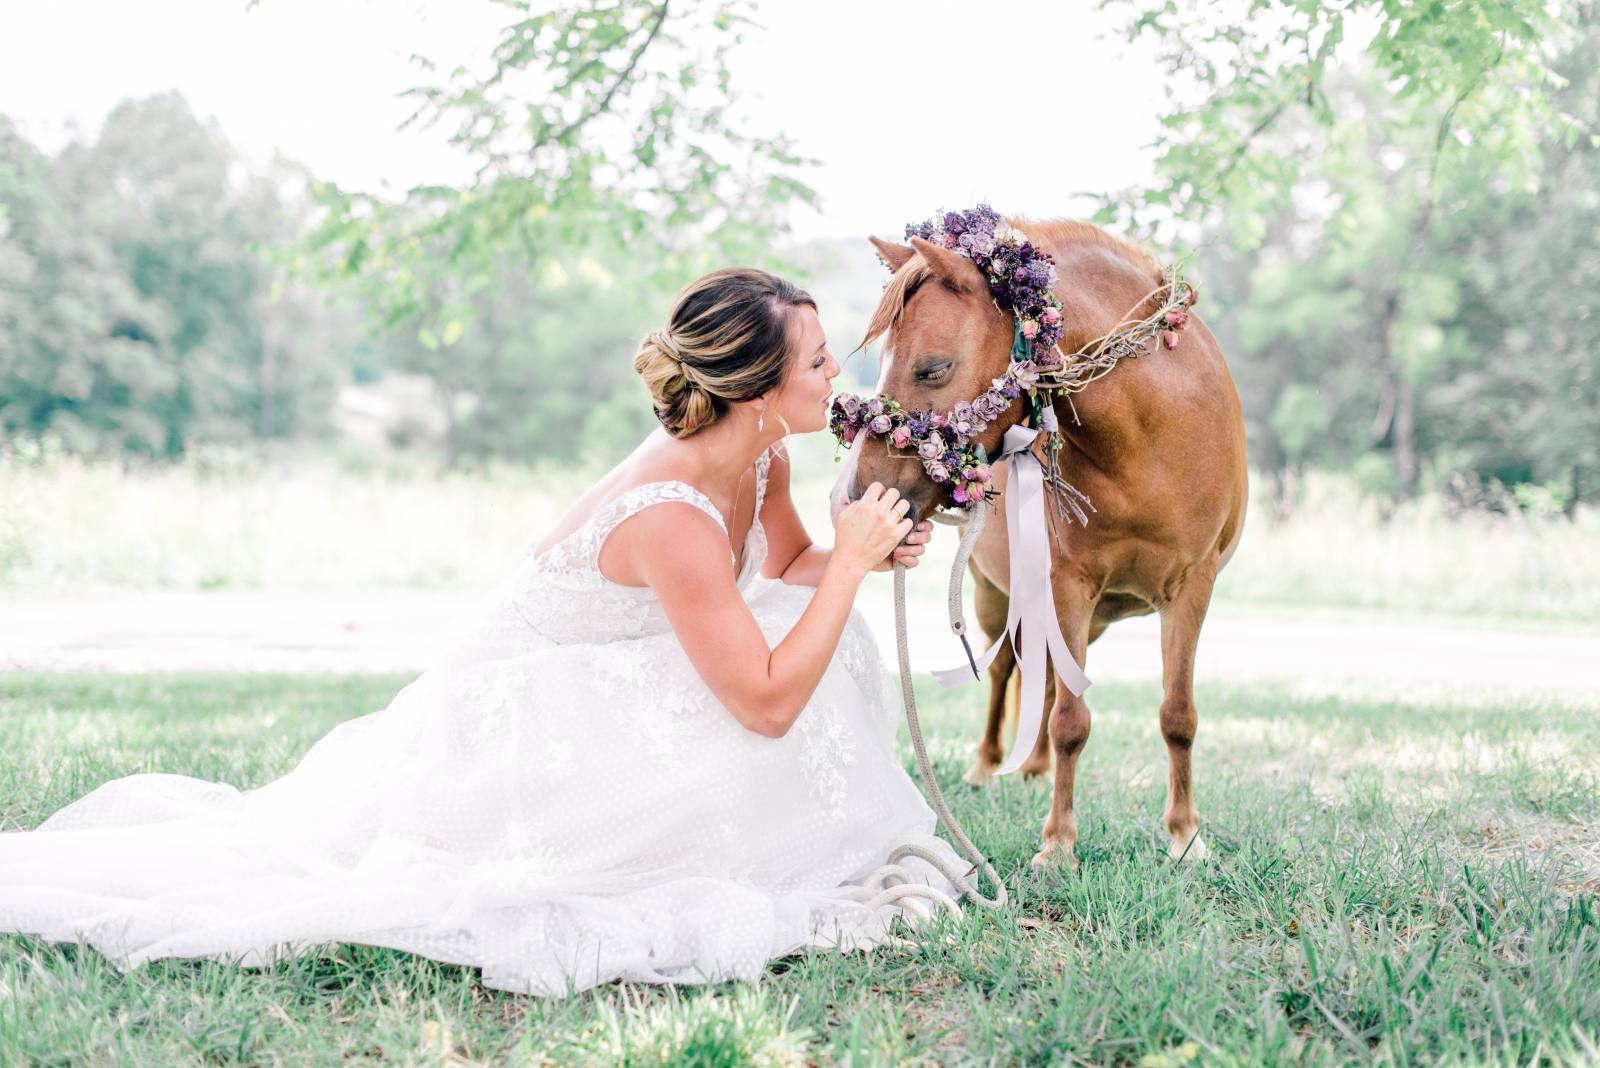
x=1057, y=856
x=1188, y=852
x=980, y=774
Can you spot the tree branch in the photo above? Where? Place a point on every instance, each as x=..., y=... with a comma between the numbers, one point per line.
x=622, y=78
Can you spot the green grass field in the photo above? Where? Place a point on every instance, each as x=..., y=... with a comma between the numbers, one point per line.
x=1400, y=879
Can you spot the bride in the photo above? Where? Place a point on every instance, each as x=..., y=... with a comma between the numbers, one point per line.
x=664, y=753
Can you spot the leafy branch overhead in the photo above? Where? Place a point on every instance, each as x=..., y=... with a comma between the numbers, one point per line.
x=614, y=121
x=1479, y=74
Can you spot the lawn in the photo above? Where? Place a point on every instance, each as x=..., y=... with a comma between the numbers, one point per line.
x=1400, y=878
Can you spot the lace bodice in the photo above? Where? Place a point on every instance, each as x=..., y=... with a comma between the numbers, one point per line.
x=561, y=596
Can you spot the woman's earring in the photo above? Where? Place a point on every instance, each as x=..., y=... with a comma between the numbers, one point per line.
x=761, y=422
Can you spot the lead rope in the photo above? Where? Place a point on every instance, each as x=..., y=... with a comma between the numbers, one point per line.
x=897, y=887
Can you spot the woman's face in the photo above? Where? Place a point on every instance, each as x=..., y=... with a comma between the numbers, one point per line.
x=808, y=383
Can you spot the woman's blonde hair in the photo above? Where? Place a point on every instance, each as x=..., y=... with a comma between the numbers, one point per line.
x=726, y=341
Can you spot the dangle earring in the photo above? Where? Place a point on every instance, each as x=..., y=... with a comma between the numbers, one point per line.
x=761, y=422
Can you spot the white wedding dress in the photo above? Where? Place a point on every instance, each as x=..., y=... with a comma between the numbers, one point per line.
x=560, y=802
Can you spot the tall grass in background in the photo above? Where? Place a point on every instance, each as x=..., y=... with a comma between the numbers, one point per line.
x=326, y=525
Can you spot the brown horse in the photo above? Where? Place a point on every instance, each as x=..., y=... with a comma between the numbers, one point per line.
x=1157, y=445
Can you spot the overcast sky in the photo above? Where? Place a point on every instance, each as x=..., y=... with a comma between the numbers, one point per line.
x=908, y=106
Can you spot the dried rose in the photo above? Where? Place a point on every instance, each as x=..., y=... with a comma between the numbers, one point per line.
x=901, y=436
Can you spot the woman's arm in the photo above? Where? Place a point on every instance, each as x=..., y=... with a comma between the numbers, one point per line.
x=791, y=554
x=683, y=555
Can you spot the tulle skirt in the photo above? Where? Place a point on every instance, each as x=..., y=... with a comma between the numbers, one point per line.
x=556, y=815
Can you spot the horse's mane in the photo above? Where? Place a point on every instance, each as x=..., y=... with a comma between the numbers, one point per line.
x=1055, y=236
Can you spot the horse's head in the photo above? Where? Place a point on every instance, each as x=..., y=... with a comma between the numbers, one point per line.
x=945, y=343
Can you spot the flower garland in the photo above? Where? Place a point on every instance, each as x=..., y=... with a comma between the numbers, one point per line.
x=1020, y=278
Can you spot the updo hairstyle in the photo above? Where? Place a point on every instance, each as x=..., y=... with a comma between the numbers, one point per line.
x=725, y=342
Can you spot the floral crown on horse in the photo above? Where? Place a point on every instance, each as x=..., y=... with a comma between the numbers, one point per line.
x=1021, y=280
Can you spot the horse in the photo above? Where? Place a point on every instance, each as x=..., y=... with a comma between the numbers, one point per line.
x=1157, y=445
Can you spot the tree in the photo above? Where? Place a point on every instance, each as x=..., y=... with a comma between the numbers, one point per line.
x=82, y=351
x=609, y=123
x=136, y=311
x=1266, y=111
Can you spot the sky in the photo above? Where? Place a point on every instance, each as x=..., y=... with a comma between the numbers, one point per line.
x=906, y=106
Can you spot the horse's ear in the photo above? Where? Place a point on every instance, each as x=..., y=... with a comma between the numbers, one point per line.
x=951, y=268
x=896, y=256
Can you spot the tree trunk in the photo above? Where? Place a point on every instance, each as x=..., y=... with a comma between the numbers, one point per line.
x=1405, y=438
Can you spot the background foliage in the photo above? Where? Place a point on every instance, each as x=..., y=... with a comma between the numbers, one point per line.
x=1395, y=205
x=1391, y=208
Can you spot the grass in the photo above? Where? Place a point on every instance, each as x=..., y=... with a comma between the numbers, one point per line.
x=225, y=522
x=1397, y=878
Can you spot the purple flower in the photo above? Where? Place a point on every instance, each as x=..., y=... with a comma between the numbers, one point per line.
x=875, y=406
x=938, y=472
x=930, y=450
x=1026, y=373
x=951, y=459
x=959, y=495
x=880, y=425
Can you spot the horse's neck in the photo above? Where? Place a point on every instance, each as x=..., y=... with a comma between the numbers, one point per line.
x=1100, y=291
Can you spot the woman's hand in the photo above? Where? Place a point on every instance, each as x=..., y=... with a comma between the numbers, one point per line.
x=868, y=528
x=907, y=551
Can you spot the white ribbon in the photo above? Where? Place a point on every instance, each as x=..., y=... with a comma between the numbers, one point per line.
x=1032, y=613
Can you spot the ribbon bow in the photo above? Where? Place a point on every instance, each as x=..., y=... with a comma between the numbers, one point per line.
x=1032, y=610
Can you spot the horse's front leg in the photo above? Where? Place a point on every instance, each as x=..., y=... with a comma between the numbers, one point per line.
x=1181, y=619
x=1069, y=727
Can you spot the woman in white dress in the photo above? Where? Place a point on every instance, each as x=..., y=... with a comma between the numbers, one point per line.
x=665, y=753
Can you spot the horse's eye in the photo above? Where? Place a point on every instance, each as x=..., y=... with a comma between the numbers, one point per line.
x=933, y=370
